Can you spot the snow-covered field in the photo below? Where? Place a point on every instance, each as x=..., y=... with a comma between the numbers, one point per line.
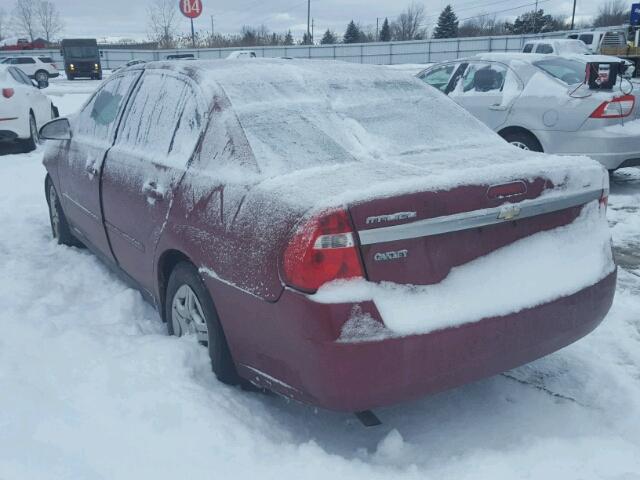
x=91, y=387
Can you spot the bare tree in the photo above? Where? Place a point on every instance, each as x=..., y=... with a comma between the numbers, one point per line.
x=3, y=24
x=612, y=13
x=163, y=22
x=24, y=17
x=409, y=24
x=49, y=19
x=480, y=26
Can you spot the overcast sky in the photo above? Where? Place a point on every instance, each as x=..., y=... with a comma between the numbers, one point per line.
x=127, y=18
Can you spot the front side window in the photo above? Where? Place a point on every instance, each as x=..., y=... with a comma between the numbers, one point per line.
x=439, y=77
x=483, y=78
x=587, y=38
x=163, y=120
x=567, y=71
x=544, y=48
x=98, y=117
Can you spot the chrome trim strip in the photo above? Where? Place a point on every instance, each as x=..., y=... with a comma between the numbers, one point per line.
x=85, y=210
x=476, y=218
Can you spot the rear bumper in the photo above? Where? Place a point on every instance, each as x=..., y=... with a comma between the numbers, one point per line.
x=611, y=146
x=13, y=127
x=291, y=347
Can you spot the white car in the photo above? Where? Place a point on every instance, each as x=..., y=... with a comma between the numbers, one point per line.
x=568, y=47
x=242, y=54
x=23, y=108
x=38, y=68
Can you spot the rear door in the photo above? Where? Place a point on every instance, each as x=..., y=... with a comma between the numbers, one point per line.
x=38, y=103
x=487, y=90
x=93, y=131
x=159, y=132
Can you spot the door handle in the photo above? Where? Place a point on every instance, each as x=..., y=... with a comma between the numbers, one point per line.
x=93, y=171
x=497, y=107
x=153, y=191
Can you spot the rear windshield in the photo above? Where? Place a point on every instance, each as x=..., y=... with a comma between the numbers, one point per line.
x=567, y=71
x=300, y=122
x=587, y=38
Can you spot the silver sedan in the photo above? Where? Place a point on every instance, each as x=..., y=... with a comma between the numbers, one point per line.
x=539, y=102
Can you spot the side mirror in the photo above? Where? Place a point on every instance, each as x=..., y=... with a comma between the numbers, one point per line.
x=58, y=129
x=43, y=84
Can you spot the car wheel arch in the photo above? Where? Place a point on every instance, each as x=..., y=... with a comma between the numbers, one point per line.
x=514, y=129
x=167, y=261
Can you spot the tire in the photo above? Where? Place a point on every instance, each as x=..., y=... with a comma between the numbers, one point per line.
x=523, y=140
x=70, y=77
x=31, y=143
x=187, y=300
x=41, y=75
x=59, y=226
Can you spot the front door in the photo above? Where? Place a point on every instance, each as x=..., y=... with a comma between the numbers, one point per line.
x=92, y=133
x=487, y=91
x=159, y=131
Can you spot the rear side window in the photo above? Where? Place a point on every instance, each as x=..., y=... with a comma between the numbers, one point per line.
x=587, y=38
x=98, y=118
x=544, y=48
x=567, y=71
x=163, y=120
x=46, y=59
x=528, y=48
x=25, y=60
x=20, y=77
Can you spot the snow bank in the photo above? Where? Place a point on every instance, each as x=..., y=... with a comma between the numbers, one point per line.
x=532, y=271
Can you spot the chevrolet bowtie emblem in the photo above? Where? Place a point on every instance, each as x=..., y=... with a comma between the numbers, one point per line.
x=509, y=212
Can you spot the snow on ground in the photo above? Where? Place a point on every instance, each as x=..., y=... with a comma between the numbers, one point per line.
x=91, y=387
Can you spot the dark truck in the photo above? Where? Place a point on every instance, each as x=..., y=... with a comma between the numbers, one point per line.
x=81, y=58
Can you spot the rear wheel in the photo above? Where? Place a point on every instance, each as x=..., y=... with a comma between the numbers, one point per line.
x=31, y=143
x=189, y=310
x=523, y=140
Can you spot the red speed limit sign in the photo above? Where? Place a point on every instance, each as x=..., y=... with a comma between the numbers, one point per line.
x=191, y=8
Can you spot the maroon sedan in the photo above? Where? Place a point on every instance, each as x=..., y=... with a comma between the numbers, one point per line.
x=341, y=234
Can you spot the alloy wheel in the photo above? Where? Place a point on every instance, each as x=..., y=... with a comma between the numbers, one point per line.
x=187, y=316
x=41, y=77
x=520, y=145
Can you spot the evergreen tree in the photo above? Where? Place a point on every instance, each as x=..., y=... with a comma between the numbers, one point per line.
x=329, y=38
x=533, y=22
x=288, y=38
x=353, y=33
x=447, y=24
x=306, y=39
x=385, y=33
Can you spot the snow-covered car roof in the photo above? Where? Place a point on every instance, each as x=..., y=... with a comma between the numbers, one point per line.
x=529, y=58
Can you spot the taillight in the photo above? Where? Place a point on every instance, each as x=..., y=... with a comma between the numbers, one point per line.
x=619, y=107
x=322, y=250
x=604, y=199
x=7, y=92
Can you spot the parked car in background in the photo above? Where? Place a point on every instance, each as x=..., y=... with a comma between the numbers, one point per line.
x=535, y=102
x=23, y=108
x=616, y=42
x=81, y=58
x=568, y=47
x=242, y=54
x=266, y=207
x=38, y=67
x=130, y=63
x=181, y=56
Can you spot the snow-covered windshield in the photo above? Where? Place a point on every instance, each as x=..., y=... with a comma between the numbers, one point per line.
x=573, y=47
x=314, y=118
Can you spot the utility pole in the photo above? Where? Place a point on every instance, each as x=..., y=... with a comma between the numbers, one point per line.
x=535, y=15
x=309, y=19
x=313, y=20
x=573, y=16
x=211, y=27
x=377, y=29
